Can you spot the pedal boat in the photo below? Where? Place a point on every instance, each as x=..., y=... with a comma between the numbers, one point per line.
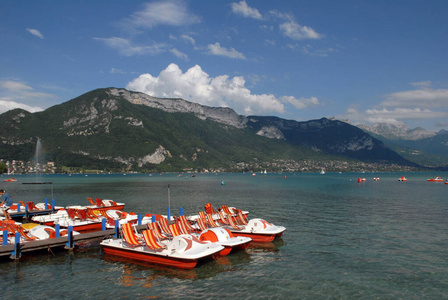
x=259, y=230
x=437, y=179
x=70, y=217
x=225, y=238
x=105, y=204
x=183, y=251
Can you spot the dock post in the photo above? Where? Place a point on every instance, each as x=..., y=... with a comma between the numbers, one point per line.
x=16, y=253
x=5, y=241
x=168, y=216
x=181, y=211
x=53, y=203
x=18, y=207
x=69, y=245
x=46, y=203
x=57, y=228
x=153, y=218
x=139, y=219
x=26, y=211
x=103, y=226
x=117, y=228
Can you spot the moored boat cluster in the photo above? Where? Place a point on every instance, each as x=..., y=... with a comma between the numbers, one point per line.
x=172, y=241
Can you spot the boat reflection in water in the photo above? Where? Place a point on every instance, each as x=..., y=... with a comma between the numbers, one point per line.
x=132, y=269
x=273, y=246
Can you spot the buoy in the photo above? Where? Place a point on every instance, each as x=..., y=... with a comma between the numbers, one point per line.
x=285, y=176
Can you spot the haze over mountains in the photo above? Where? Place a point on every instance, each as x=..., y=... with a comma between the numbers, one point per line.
x=116, y=129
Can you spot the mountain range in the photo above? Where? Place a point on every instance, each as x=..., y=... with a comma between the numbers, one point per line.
x=424, y=147
x=116, y=129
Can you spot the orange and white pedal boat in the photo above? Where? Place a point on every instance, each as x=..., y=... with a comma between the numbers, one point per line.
x=12, y=179
x=259, y=230
x=182, y=251
x=437, y=179
x=219, y=235
x=105, y=204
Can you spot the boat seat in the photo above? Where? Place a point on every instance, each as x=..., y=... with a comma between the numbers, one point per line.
x=150, y=240
x=174, y=229
x=129, y=235
x=156, y=231
x=201, y=224
x=163, y=223
x=91, y=201
x=233, y=224
x=210, y=221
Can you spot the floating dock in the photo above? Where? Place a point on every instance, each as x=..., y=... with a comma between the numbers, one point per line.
x=15, y=250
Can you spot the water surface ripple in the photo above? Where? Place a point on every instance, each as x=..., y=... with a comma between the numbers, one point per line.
x=344, y=240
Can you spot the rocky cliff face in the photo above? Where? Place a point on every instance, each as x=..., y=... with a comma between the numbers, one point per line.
x=218, y=114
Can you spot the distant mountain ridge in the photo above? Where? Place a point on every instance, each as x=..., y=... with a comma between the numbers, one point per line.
x=424, y=147
x=118, y=129
x=392, y=131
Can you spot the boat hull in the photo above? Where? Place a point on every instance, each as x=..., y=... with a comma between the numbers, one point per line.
x=151, y=257
x=259, y=231
x=225, y=238
x=84, y=228
x=256, y=238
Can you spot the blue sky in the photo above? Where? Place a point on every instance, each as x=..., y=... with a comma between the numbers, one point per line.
x=364, y=61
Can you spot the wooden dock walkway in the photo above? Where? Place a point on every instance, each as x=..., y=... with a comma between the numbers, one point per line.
x=68, y=242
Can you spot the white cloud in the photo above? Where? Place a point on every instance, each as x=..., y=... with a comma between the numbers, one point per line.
x=422, y=84
x=19, y=90
x=280, y=15
x=301, y=103
x=188, y=39
x=404, y=113
x=243, y=9
x=418, y=98
x=15, y=86
x=395, y=116
x=15, y=94
x=179, y=54
x=174, y=13
x=6, y=105
x=216, y=49
x=126, y=48
x=297, y=32
x=197, y=86
x=417, y=106
x=35, y=32
x=117, y=71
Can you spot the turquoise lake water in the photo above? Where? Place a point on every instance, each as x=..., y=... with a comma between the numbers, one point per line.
x=344, y=239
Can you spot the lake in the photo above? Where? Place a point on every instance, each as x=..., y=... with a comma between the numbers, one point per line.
x=375, y=239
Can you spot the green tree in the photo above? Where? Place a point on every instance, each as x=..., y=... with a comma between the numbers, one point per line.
x=3, y=168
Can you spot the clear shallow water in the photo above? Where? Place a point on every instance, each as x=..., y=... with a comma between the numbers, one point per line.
x=383, y=239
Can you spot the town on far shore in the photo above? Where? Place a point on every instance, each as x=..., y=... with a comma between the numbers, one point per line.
x=288, y=166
